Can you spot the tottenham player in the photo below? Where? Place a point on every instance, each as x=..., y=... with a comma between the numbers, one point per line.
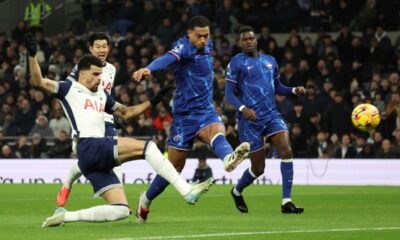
x=85, y=104
x=251, y=83
x=193, y=109
x=99, y=46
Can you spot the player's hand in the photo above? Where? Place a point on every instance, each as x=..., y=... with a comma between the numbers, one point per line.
x=139, y=74
x=30, y=44
x=249, y=113
x=300, y=91
x=158, y=96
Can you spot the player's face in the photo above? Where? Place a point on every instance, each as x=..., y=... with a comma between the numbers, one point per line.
x=248, y=42
x=199, y=37
x=91, y=78
x=100, y=49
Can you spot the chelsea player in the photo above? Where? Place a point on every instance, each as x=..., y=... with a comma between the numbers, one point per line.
x=193, y=110
x=251, y=83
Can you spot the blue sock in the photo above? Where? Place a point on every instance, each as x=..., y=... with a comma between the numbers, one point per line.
x=220, y=146
x=287, y=179
x=156, y=188
x=245, y=180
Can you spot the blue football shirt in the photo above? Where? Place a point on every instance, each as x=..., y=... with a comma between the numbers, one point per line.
x=194, y=78
x=255, y=78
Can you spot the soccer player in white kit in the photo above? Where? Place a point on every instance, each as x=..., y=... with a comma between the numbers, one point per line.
x=85, y=103
x=99, y=46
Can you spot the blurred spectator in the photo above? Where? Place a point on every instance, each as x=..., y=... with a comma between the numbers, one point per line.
x=42, y=128
x=38, y=147
x=59, y=122
x=25, y=117
x=6, y=152
x=396, y=142
x=298, y=138
x=363, y=150
x=122, y=18
x=35, y=14
x=387, y=151
x=338, y=108
x=366, y=17
x=62, y=147
x=319, y=147
x=203, y=171
x=22, y=150
x=163, y=116
x=227, y=17
x=19, y=31
x=346, y=150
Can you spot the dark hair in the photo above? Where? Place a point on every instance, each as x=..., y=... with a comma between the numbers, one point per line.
x=88, y=60
x=198, y=21
x=99, y=36
x=245, y=29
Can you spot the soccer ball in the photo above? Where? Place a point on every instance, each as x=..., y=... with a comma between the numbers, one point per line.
x=365, y=117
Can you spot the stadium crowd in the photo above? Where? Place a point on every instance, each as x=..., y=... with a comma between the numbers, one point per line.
x=338, y=72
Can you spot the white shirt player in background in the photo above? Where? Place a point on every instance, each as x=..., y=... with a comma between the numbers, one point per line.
x=99, y=46
x=85, y=104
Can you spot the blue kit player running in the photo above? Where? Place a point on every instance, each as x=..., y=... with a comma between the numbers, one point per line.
x=99, y=46
x=193, y=110
x=251, y=83
x=85, y=103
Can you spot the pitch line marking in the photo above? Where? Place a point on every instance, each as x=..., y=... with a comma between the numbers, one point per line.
x=259, y=233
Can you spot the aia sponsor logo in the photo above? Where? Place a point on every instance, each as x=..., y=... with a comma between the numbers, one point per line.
x=93, y=105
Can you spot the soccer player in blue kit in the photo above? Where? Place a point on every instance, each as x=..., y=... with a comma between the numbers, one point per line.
x=193, y=110
x=251, y=83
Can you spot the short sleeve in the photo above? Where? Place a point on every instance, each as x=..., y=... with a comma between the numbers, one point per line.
x=111, y=104
x=62, y=88
x=73, y=76
x=232, y=72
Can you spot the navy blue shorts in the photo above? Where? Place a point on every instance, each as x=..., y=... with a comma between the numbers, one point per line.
x=185, y=128
x=253, y=132
x=96, y=158
x=110, y=130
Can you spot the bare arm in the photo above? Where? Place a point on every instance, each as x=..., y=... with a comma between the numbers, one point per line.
x=37, y=80
x=127, y=113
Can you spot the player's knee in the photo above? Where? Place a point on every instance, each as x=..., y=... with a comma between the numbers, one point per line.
x=286, y=153
x=258, y=172
x=119, y=212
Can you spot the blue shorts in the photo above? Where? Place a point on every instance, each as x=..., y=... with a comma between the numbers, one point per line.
x=185, y=128
x=110, y=130
x=253, y=132
x=96, y=158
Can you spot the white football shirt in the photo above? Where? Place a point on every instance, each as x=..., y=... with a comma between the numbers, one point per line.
x=107, y=82
x=85, y=109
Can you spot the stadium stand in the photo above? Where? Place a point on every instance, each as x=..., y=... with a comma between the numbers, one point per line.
x=344, y=52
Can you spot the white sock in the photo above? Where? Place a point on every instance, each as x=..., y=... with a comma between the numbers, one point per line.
x=74, y=173
x=144, y=201
x=101, y=213
x=118, y=171
x=285, y=200
x=165, y=168
x=236, y=192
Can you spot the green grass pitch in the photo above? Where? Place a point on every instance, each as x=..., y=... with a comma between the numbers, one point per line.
x=331, y=212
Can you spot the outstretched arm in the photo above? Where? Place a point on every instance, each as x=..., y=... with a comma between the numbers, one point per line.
x=158, y=64
x=37, y=80
x=127, y=113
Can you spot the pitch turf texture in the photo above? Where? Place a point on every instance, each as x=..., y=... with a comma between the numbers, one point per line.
x=331, y=212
